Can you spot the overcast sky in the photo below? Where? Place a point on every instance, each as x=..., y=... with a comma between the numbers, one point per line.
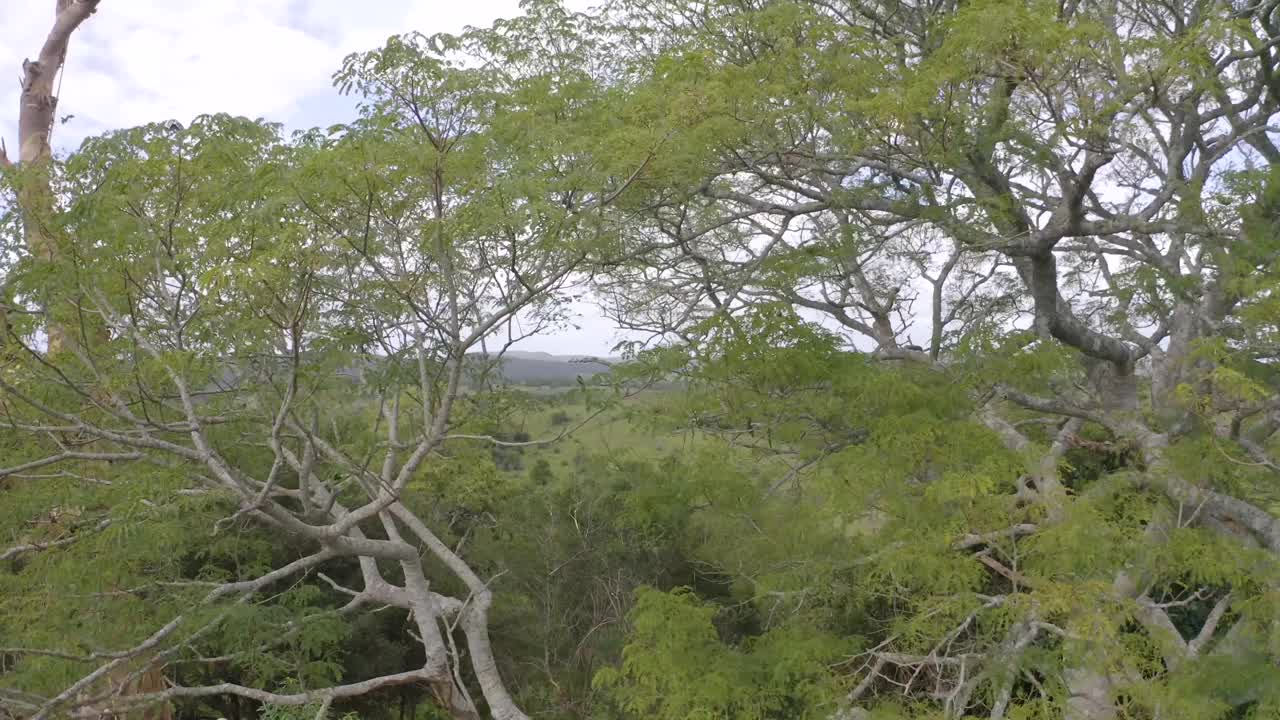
x=140, y=61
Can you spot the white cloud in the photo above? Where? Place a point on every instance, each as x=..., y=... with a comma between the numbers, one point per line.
x=140, y=61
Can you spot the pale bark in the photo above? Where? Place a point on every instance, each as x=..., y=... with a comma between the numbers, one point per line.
x=37, y=109
x=323, y=522
x=122, y=684
x=1090, y=695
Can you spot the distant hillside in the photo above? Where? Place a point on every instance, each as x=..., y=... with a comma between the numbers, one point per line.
x=518, y=368
x=538, y=368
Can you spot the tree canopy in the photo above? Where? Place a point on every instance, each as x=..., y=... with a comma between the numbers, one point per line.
x=954, y=392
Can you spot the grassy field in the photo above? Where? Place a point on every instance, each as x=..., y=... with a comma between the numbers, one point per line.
x=625, y=428
x=639, y=428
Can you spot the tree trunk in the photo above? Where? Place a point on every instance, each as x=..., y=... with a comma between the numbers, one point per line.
x=454, y=701
x=1090, y=695
x=37, y=108
x=119, y=685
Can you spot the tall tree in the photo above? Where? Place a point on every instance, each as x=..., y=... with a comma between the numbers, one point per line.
x=37, y=110
x=965, y=186
x=973, y=306
x=244, y=279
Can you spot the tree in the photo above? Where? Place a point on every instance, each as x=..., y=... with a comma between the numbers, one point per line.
x=1073, y=192
x=241, y=277
x=37, y=110
x=972, y=309
x=540, y=473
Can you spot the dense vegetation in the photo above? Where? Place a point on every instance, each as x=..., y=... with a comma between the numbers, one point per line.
x=959, y=397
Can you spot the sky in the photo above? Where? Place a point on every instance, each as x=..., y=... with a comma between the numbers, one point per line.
x=141, y=61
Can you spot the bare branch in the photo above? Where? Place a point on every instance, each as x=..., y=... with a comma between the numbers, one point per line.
x=36, y=546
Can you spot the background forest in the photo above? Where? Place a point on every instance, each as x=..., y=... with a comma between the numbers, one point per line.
x=957, y=392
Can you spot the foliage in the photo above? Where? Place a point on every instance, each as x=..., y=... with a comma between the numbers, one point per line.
x=678, y=668
x=963, y=317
